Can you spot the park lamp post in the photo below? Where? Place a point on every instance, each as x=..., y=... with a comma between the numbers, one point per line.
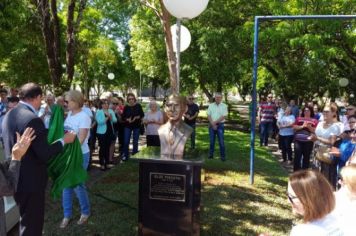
x=183, y=9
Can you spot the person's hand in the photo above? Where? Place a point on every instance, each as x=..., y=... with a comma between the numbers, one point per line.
x=214, y=126
x=312, y=138
x=69, y=137
x=335, y=152
x=22, y=143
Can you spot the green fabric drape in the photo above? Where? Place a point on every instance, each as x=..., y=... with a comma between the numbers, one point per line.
x=66, y=169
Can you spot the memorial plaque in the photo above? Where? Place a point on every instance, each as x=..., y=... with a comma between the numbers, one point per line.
x=167, y=187
x=169, y=197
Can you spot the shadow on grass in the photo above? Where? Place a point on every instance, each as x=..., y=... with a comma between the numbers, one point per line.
x=234, y=210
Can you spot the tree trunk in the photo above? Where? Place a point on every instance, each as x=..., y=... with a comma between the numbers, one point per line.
x=205, y=90
x=70, y=42
x=172, y=60
x=50, y=31
x=72, y=29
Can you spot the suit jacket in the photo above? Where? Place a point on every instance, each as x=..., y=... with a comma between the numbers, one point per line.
x=33, y=171
x=9, y=175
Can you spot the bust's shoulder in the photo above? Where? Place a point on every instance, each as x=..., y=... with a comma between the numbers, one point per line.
x=186, y=129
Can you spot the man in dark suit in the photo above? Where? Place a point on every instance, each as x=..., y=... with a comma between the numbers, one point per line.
x=30, y=195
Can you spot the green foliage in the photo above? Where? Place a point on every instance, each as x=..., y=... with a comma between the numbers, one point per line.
x=297, y=58
x=22, y=57
x=147, y=48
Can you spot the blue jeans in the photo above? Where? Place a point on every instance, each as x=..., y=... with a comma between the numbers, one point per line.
x=192, y=136
x=266, y=128
x=80, y=192
x=127, y=136
x=220, y=133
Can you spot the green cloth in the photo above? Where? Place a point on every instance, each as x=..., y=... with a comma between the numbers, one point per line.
x=66, y=169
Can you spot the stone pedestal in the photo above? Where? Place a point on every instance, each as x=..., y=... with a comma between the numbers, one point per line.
x=169, y=197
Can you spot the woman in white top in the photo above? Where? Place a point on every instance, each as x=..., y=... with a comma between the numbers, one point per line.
x=326, y=133
x=312, y=197
x=153, y=120
x=345, y=208
x=286, y=133
x=80, y=122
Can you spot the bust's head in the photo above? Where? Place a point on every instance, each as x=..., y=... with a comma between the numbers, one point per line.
x=175, y=107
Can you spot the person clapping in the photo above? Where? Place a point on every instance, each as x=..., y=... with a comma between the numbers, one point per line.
x=10, y=171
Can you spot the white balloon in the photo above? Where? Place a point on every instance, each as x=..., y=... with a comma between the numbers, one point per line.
x=185, y=9
x=185, y=37
x=111, y=76
x=343, y=82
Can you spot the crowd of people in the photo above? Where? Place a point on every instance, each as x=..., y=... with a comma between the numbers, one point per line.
x=323, y=140
x=102, y=122
x=326, y=139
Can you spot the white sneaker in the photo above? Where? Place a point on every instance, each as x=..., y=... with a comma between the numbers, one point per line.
x=83, y=219
x=64, y=223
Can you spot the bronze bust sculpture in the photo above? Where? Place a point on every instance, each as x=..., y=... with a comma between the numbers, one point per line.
x=174, y=133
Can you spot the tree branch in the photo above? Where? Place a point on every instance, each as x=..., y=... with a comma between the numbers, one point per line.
x=153, y=7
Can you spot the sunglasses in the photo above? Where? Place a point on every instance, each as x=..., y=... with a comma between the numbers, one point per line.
x=349, y=131
x=291, y=197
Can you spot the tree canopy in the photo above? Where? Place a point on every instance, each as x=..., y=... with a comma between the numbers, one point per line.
x=298, y=59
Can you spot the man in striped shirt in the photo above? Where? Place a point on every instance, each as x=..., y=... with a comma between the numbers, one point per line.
x=267, y=111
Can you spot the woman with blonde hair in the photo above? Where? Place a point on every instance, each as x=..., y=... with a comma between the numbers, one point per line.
x=312, y=197
x=346, y=200
x=80, y=122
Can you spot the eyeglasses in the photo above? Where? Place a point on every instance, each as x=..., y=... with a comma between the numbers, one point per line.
x=291, y=197
x=130, y=99
x=350, y=131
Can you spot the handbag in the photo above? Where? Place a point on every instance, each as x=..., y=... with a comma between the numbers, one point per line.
x=322, y=154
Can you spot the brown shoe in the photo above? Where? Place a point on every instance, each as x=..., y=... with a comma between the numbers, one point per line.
x=64, y=223
x=83, y=219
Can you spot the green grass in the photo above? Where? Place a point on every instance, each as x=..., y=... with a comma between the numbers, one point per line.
x=230, y=205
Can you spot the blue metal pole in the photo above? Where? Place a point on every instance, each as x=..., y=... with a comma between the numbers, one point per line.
x=254, y=101
x=306, y=17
